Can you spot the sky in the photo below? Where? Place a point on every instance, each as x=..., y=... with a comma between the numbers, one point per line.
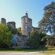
x=13, y=10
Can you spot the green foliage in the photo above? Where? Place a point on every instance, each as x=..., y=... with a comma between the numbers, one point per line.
x=5, y=35
x=13, y=31
x=48, y=21
x=42, y=35
x=36, y=39
x=19, y=31
x=43, y=41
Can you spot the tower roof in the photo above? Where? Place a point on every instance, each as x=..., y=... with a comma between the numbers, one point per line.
x=26, y=14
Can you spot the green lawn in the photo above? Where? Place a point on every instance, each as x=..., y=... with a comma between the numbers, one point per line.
x=44, y=51
x=50, y=51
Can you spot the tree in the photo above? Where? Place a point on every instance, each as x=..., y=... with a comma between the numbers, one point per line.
x=36, y=39
x=43, y=40
x=19, y=31
x=13, y=31
x=47, y=24
x=5, y=36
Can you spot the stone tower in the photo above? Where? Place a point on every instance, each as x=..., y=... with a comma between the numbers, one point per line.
x=26, y=25
x=3, y=21
x=12, y=24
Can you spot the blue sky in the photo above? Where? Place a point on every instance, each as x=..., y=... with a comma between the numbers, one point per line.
x=13, y=10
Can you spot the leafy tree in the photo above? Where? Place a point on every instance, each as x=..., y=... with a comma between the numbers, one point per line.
x=43, y=40
x=36, y=39
x=13, y=31
x=5, y=36
x=47, y=24
x=19, y=31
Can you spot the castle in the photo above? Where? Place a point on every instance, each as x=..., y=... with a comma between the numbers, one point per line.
x=26, y=25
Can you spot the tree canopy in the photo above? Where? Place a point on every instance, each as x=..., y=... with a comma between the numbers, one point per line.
x=5, y=36
x=47, y=24
x=35, y=39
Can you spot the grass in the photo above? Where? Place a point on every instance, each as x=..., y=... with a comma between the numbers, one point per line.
x=50, y=51
x=41, y=51
x=20, y=50
x=44, y=51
